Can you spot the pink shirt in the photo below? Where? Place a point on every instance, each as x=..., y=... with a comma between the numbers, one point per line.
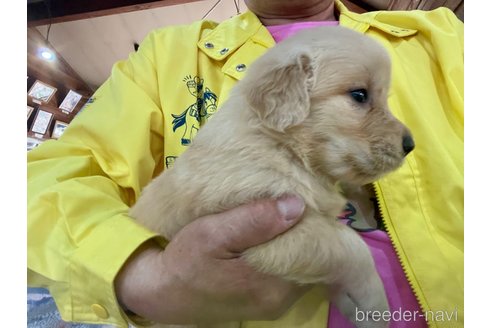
x=280, y=32
x=398, y=290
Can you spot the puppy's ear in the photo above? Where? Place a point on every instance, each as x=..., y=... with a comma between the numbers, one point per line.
x=280, y=95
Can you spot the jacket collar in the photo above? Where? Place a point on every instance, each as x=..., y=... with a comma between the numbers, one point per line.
x=243, y=38
x=231, y=34
x=362, y=22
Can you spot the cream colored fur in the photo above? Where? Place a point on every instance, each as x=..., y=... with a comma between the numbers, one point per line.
x=292, y=127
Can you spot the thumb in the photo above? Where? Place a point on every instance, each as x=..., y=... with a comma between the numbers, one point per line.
x=255, y=223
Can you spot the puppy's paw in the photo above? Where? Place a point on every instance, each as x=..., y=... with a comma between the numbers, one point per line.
x=366, y=307
x=375, y=315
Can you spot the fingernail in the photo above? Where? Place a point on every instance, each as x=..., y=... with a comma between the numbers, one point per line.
x=291, y=207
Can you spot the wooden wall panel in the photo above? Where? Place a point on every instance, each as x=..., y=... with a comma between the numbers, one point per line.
x=65, y=11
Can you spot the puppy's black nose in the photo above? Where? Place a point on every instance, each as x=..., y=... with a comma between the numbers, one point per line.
x=408, y=144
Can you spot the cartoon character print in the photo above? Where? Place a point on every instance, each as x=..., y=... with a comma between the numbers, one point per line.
x=205, y=105
x=352, y=218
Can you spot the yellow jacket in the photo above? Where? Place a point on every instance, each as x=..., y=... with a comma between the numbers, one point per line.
x=142, y=117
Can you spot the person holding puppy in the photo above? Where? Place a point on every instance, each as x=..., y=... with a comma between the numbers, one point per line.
x=102, y=267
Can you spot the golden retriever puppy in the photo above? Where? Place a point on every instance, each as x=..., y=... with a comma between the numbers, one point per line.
x=309, y=114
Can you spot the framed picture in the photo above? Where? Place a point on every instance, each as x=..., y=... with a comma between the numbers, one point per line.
x=70, y=101
x=29, y=111
x=58, y=129
x=33, y=143
x=41, y=122
x=41, y=91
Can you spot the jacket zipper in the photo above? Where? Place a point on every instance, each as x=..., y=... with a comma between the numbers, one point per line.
x=381, y=208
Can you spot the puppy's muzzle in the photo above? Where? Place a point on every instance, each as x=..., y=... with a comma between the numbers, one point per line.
x=408, y=144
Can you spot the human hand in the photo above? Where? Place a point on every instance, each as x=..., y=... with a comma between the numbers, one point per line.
x=201, y=276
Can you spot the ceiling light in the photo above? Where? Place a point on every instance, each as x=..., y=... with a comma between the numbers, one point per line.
x=46, y=54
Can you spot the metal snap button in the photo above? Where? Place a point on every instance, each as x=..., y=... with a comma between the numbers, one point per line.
x=240, y=67
x=224, y=51
x=208, y=45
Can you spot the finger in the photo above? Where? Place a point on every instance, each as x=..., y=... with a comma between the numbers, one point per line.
x=253, y=224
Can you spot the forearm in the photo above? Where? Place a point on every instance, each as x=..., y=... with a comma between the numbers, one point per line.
x=139, y=279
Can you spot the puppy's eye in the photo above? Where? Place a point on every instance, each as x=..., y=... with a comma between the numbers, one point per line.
x=359, y=95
